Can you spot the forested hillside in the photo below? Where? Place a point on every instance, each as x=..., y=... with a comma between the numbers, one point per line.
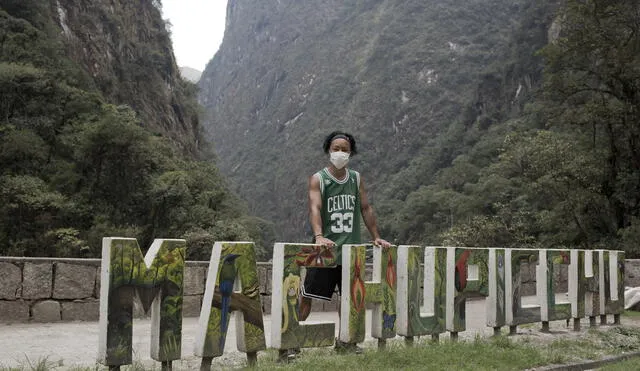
x=99, y=136
x=567, y=170
x=485, y=122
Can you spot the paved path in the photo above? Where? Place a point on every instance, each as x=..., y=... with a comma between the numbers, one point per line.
x=76, y=343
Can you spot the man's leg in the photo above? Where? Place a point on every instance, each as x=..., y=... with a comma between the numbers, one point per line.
x=305, y=308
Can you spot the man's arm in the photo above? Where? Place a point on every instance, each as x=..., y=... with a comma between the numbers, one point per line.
x=370, y=217
x=315, y=209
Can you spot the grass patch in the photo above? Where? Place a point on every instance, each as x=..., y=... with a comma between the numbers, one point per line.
x=499, y=353
x=632, y=364
x=496, y=353
x=28, y=364
x=631, y=314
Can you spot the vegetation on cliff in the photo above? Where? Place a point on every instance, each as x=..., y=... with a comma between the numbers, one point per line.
x=100, y=137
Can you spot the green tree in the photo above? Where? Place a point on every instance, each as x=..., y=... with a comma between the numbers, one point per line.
x=592, y=91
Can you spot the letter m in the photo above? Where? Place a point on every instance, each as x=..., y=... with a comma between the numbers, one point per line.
x=157, y=280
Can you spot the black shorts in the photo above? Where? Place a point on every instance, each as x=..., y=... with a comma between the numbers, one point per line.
x=320, y=283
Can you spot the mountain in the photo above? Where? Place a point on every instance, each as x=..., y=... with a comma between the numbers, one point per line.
x=190, y=74
x=100, y=136
x=411, y=80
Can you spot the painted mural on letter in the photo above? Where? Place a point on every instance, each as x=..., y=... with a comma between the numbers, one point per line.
x=435, y=259
x=157, y=279
x=286, y=290
x=613, y=264
x=556, y=311
x=522, y=314
x=467, y=286
x=235, y=288
x=381, y=291
x=352, y=309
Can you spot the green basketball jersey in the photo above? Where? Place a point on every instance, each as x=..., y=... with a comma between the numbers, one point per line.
x=340, y=208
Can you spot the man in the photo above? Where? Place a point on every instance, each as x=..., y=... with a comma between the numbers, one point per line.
x=337, y=201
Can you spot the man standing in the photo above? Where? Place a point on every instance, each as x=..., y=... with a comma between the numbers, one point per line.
x=337, y=202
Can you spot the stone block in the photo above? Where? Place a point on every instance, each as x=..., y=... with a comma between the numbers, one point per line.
x=13, y=311
x=81, y=310
x=317, y=305
x=37, y=282
x=333, y=305
x=194, y=278
x=73, y=281
x=560, y=278
x=562, y=286
x=96, y=291
x=528, y=289
x=368, y=273
x=191, y=305
x=10, y=281
x=266, y=304
x=557, y=273
x=262, y=279
x=632, y=272
x=527, y=272
x=268, y=286
x=46, y=311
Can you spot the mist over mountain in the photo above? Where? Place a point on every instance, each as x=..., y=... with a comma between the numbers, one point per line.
x=190, y=74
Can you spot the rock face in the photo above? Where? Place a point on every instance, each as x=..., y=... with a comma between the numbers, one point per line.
x=120, y=44
x=396, y=74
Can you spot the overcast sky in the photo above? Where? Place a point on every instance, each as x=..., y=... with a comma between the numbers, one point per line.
x=197, y=29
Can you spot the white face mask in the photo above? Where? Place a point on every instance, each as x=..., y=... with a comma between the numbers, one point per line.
x=339, y=159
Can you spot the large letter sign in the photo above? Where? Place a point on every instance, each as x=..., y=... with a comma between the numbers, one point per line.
x=611, y=264
x=516, y=312
x=354, y=293
x=583, y=287
x=411, y=321
x=157, y=278
x=286, y=331
x=402, y=278
x=549, y=309
x=496, y=310
x=467, y=275
x=381, y=292
x=232, y=285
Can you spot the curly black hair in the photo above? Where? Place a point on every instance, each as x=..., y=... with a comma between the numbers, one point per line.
x=343, y=135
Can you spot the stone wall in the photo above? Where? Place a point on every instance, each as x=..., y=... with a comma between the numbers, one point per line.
x=632, y=272
x=50, y=290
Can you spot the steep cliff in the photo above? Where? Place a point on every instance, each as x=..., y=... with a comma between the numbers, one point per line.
x=126, y=49
x=416, y=82
x=99, y=135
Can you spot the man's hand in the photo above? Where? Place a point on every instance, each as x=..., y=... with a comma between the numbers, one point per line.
x=382, y=243
x=325, y=242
